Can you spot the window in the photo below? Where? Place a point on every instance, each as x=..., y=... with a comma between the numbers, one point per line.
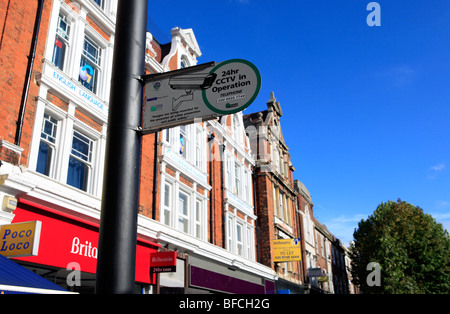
x=198, y=219
x=239, y=239
x=167, y=137
x=309, y=226
x=167, y=204
x=189, y=142
x=274, y=199
x=183, y=209
x=237, y=136
x=90, y=65
x=184, y=142
x=275, y=156
x=183, y=212
x=47, y=146
x=249, y=243
x=184, y=63
x=246, y=190
x=101, y=3
x=281, y=166
x=281, y=210
x=229, y=233
x=229, y=177
x=198, y=148
x=237, y=178
x=61, y=42
x=80, y=161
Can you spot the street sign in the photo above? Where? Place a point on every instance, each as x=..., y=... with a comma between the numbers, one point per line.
x=201, y=92
x=286, y=250
x=20, y=239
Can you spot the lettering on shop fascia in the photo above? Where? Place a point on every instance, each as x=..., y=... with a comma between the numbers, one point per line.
x=183, y=164
x=53, y=76
x=237, y=202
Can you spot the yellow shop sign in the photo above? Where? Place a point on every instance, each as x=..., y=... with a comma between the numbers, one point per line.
x=287, y=250
x=20, y=239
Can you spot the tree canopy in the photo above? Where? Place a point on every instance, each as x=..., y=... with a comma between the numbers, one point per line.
x=410, y=247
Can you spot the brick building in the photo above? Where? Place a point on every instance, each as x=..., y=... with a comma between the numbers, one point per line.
x=276, y=196
x=195, y=190
x=217, y=192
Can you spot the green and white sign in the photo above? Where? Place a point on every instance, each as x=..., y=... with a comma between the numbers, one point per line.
x=202, y=92
x=237, y=85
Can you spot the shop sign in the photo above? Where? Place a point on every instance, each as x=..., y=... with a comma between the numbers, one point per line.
x=67, y=239
x=20, y=239
x=201, y=92
x=163, y=262
x=323, y=279
x=76, y=91
x=287, y=250
x=315, y=272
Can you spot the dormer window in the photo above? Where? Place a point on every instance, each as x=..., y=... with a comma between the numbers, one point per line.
x=184, y=63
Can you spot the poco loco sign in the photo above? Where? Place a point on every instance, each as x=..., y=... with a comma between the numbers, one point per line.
x=21, y=239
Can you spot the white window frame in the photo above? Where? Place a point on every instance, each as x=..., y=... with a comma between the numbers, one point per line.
x=67, y=125
x=170, y=213
x=54, y=146
x=65, y=37
x=245, y=246
x=98, y=63
x=181, y=216
x=91, y=164
x=167, y=212
x=237, y=189
x=194, y=151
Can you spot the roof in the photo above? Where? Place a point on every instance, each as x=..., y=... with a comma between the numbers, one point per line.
x=15, y=278
x=303, y=190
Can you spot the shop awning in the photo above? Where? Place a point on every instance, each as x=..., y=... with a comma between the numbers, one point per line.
x=17, y=279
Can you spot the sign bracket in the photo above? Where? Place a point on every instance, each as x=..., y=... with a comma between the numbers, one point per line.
x=157, y=76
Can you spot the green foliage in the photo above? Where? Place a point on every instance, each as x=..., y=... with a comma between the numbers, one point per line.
x=412, y=249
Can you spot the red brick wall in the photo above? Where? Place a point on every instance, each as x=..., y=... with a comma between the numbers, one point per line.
x=216, y=195
x=264, y=207
x=17, y=20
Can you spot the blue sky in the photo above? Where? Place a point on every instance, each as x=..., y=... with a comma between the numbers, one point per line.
x=366, y=109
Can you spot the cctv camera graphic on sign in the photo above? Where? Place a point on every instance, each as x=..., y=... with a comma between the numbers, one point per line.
x=190, y=83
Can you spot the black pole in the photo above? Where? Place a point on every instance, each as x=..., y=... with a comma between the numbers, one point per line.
x=118, y=224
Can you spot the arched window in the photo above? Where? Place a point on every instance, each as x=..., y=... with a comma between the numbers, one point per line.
x=184, y=62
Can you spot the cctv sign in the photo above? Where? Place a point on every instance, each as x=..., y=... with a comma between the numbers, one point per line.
x=201, y=92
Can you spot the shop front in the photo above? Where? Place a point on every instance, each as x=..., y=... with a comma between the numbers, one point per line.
x=68, y=249
x=213, y=277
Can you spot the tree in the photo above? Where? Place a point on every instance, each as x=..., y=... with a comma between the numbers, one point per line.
x=410, y=247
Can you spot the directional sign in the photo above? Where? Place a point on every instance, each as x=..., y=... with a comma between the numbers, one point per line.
x=201, y=92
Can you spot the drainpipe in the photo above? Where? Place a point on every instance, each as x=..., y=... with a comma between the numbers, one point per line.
x=222, y=151
x=211, y=207
x=155, y=175
x=31, y=58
